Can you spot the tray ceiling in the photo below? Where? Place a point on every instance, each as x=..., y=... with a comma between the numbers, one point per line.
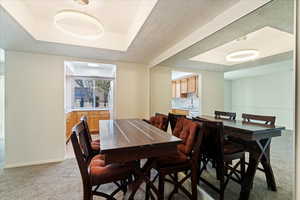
x=267, y=41
x=121, y=20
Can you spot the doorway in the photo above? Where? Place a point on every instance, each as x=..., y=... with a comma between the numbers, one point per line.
x=89, y=91
x=185, y=93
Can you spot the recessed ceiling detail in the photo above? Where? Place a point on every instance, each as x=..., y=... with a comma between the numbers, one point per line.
x=82, y=25
x=259, y=44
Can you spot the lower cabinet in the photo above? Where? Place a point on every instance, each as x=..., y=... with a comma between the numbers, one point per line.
x=93, y=117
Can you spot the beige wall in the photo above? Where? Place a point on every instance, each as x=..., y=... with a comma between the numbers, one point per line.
x=35, y=128
x=297, y=101
x=132, y=91
x=211, y=90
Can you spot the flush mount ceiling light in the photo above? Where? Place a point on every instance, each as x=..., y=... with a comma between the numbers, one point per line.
x=242, y=56
x=78, y=25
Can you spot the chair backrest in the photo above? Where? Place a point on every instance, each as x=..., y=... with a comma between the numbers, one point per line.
x=80, y=153
x=225, y=115
x=213, y=139
x=259, y=119
x=160, y=121
x=186, y=130
x=173, y=120
x=198, y=143
x=84, y=138
x=85, y=123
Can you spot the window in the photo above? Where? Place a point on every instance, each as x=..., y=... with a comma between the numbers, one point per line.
x=91, y=93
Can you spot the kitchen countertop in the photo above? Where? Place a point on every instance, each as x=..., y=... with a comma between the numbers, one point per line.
x=87, y=109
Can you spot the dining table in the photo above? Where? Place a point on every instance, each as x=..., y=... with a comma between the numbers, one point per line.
x=126, y=140
x=256, y=139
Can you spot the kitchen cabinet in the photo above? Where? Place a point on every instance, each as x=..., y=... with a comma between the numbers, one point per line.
x=191, y=84
x=183, y=86
x=93, y=117
x=173, y=89
x=178, y=90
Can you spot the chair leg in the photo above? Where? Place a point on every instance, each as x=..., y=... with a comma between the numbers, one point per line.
x=176, y=177
x=87, y=193
x=222, y=182
x=161, y=188
x=243, y=168
x=194, y=183
x=147, y=195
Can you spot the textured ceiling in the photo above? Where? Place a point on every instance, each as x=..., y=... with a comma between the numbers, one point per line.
x=277, y=14
x=169, y=22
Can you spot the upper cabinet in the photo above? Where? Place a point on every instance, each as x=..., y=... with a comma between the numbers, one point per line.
x=178, y=89
x=181, y=87
x=184, y=86
x=173, y=89
x=191, y=84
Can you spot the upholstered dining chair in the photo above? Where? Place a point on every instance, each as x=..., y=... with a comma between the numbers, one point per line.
x=222, y=153
x=173, y=120
x=160, y=121
x=225, y=115
x=94, y=172
x=94, y=144
x=184, y=160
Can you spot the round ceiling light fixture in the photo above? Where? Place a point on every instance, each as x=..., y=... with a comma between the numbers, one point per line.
x=78, y=25
x=242, y=55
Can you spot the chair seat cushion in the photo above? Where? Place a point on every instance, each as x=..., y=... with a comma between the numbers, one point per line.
x=95, y=145
x=101, y=173
x=231, y=147
x=172, y=160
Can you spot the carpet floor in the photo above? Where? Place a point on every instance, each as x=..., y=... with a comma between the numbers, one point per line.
x=62, y=181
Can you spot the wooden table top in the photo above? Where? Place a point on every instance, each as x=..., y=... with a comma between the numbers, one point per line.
x=246, y=130
x=246, y=126
x=127, y=134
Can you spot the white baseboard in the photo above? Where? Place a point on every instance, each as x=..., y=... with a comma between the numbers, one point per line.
x=24, y=164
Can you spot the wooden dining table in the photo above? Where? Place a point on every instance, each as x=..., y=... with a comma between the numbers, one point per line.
x=128, y=140
x=256, y=139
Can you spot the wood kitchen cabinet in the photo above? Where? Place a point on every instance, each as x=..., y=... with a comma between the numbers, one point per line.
x=183, y=86
x=173, y=89
x=191, y=84
x=177, y=93
x=93, y=117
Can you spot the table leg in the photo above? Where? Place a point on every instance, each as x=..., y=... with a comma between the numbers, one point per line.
x=258, y=153
x=249, y=176
x=266, y=163
x=143, y=175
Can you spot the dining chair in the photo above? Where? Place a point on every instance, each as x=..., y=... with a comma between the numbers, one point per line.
x=94, y=172
x=184, y=160
x=160, y=121
x=259, y=119
x=94, y=144
x=222, y=152
x=173, y=120
x=225, y=115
